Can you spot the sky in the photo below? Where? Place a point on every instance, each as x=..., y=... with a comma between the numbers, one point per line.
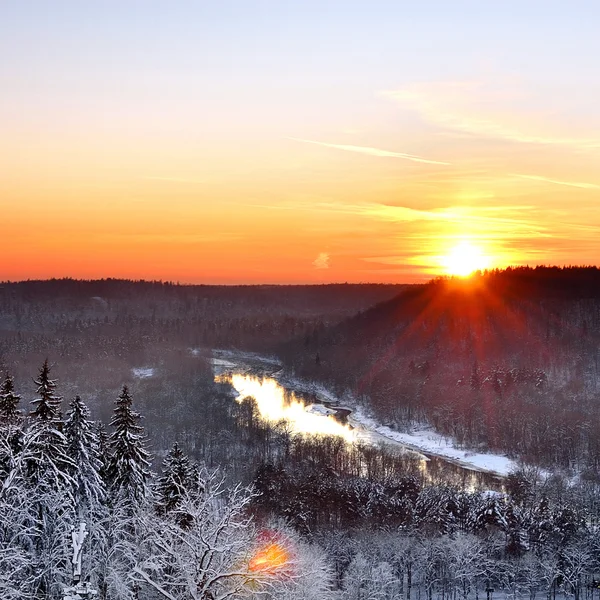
x=297, y=142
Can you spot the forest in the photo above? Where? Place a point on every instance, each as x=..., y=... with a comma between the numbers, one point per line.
x=505, y=361
x=187, y=493
x=352, y=522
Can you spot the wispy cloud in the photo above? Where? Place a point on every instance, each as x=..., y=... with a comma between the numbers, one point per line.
x=482, y=109
x=585, y=186
x=509, y=234
x=322, y=261
x=397, y=213
x=373, y=151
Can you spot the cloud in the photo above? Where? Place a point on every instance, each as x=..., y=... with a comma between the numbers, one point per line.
x=585, y=186
x=322, y=261
x=493, y=110
x=509, y=216
x=373, y=152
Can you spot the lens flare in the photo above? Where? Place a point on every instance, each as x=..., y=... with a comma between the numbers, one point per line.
x=270, y=558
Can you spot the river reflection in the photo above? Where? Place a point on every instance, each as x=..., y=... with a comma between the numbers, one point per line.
x=275, y=403
x=305, y=415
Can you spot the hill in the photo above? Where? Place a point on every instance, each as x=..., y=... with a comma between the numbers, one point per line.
x=505, y=360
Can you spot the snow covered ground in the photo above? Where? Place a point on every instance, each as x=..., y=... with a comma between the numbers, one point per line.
x=143, y=372
x=422, y=440
x=319, y=409
x=430, y=442
x=251, y=358
x=225, y=364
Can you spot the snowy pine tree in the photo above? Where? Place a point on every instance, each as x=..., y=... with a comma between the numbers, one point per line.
x=9, y=403
x=129, y=466
x=176, y=481
x=82, y=447
x=46, y=445
x=11, y=433
x=47, y=406
x=49, y=512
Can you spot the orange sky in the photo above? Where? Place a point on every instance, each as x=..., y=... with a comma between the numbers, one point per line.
x=265, y=151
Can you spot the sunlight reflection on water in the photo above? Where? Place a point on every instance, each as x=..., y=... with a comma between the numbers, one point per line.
x=274, y=403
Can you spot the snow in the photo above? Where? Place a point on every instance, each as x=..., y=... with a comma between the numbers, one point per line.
x=427, y=440
x=319, y=409
x=369, y=430
x=219, y=362
x=143, y=372
x=240, y=356
x=421, y=440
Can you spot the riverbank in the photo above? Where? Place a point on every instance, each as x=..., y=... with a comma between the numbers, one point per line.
x=428, y=441
x=422, y=440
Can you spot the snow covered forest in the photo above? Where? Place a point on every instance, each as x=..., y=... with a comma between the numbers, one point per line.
x=179, y=535
x=506, y=361
x=202, y=498
x=313, y=525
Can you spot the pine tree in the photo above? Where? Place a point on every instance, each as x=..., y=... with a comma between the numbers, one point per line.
x=176, y=481
x=11, y=432
x=475, y=379
x=46, y=445
x=82, y=448
x=47, y=406
x=516, y=538
x=129, y=466
x=49, y=484
x=9, y=403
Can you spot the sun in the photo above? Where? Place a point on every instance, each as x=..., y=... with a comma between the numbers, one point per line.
x=464, y=259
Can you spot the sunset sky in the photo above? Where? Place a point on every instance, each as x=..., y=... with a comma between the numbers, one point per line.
x=296, y=142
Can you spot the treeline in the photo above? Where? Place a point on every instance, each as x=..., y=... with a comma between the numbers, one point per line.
x=101, y=312
x=315, y=498
x=99, y=330
x=507, y=361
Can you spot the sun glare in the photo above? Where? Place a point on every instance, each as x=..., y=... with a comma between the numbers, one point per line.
x=464, y=259
x=275, y=405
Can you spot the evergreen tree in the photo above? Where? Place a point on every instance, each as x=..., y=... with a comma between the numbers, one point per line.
x=47, y=406
x=176, y=481
x=542, y=526
x=516, y=538
x=49, y=485
x=486, y=513
x=129, y=466
x=82, y=447
x=475, y=379
x=11, y=433
x=47, y=460
x=9, y=403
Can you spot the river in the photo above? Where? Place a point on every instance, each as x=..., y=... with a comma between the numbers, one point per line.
x=309, y=413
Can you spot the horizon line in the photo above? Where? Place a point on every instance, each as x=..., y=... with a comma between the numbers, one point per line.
x=298, y=284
